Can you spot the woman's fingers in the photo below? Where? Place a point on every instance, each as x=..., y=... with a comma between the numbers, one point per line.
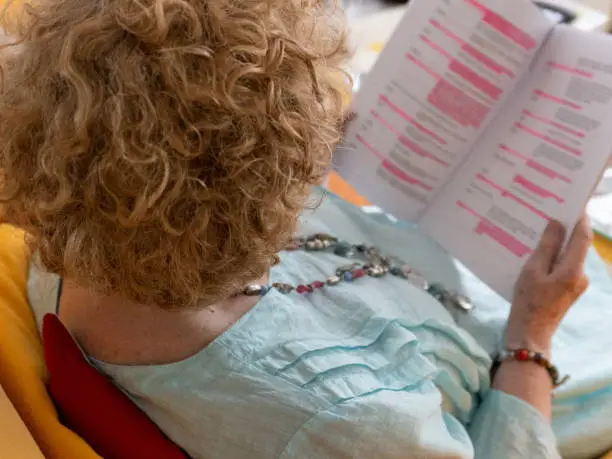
x=571, y=263
x=545, y=255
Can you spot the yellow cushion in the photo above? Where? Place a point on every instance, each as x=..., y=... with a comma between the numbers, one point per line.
x=22, y=366
x=16, y=441
x=604, y=247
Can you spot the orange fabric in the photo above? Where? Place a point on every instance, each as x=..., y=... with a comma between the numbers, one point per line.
x=22, y=368
x=16, y=441
x=604, y=247
x=345, y=191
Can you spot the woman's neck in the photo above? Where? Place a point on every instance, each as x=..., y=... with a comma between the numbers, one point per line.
x=113, y=330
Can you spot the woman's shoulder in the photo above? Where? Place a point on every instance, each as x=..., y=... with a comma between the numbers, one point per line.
x=281, y=366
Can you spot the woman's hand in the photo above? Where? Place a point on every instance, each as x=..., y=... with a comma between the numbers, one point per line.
x=550, y=283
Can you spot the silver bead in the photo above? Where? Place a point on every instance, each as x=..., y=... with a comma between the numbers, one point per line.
x=376, y=271
x=311, y=245
x=253, y=290
x=417, y=280
x=332, y=280
x=531, y=355
x=324, y=237
x=460, y=301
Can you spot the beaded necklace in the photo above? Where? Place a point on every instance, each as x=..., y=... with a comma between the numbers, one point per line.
x=372, y=264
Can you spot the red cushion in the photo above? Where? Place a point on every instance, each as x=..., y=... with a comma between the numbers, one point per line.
x=94, y=408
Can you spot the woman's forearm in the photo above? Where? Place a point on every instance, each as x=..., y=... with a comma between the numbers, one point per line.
x=528, y=382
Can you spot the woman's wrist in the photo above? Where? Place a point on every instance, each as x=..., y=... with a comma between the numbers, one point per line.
x=526, y=381
x=528, y=335
x=541, y=344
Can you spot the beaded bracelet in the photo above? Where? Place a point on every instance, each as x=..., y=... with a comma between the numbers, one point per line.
x=525, y=355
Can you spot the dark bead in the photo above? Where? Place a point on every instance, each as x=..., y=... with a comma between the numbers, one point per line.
x=283, y=288
x=344, y=250
x=437, y=291
x=554, y=374
x=394, y=270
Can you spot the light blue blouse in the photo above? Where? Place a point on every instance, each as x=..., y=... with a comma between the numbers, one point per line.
x=375, y=368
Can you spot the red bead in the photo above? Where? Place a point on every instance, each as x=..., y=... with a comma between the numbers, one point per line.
x=318, y=284
x=301, y=289
x=521, y=355
x=358, y=273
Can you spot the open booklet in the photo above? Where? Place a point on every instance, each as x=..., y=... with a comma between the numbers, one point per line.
x=480, y=121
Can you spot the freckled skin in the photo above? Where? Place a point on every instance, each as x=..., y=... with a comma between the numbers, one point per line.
x=550, y=283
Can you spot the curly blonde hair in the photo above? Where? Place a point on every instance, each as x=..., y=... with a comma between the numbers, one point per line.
x=163, y=149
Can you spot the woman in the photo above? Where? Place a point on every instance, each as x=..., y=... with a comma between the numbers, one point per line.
x=159, y=153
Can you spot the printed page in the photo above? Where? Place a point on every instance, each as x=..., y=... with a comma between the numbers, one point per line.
x=447, y=68
x=540, y=159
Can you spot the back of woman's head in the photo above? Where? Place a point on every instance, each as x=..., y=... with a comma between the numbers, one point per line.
x=162, y=149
